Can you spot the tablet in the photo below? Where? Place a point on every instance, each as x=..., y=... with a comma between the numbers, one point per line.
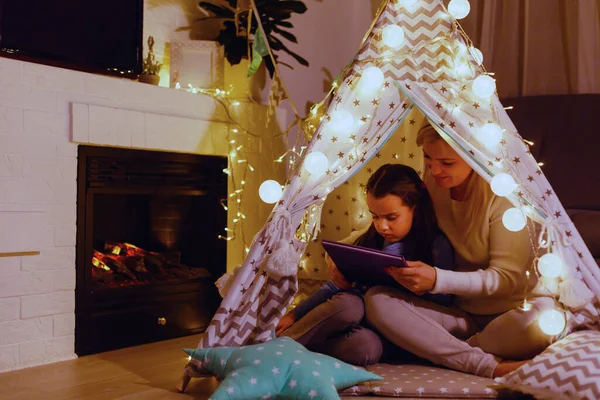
x=362, y=264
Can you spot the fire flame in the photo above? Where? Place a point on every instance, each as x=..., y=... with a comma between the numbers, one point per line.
x=99, y=264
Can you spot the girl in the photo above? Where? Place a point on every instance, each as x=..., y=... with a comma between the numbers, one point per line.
x=404, y=223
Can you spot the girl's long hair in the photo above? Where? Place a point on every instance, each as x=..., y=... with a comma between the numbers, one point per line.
x=404, y=182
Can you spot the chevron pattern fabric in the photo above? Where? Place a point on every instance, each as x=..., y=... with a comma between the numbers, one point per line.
x=427, y=32
x=569, y=369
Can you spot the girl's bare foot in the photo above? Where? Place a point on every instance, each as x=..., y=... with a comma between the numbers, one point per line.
x=506, y=367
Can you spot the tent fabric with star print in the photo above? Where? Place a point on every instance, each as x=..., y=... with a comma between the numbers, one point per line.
x=431, y=74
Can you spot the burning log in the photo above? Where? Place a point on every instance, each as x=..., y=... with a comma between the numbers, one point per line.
x=124, y=264
x=113, y=264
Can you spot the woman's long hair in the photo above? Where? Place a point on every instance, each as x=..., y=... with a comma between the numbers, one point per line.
x=477, y=188
x=404, y=182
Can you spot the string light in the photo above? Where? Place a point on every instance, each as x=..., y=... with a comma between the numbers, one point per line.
x=484, y=86
x=459, y=8
x=316, y=163
x=370, y=82
x=503, y=184
x=550, y=265
x=270, y=191
x=341, y=123
x=514, y=220
x=490, y=135
x=476, y=54
x=552, y=322
x=393, y=36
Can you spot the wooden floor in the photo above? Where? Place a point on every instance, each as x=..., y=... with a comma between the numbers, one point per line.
x=145, y=372
x=148, y=372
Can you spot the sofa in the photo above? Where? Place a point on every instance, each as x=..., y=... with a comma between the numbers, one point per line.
x=564, y=135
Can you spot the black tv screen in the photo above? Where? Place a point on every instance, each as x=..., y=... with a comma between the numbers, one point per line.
x=96, y=36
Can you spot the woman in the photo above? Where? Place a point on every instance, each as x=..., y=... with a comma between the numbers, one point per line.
x=403, y=223
x=486, y=325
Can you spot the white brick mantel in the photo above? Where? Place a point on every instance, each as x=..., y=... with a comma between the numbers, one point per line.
x=45, y=112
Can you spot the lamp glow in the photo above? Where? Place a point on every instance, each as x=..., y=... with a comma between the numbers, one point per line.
x=316, y=163
x=514, y=220
x=490, y=135
x=477, y=55
x=550, y=265
x=484, y=86
x=459, y=8
x=552, y=322
x=503, y=184
x=270, y=191
x=393, y=36
x=370, y=82
x=341, y=123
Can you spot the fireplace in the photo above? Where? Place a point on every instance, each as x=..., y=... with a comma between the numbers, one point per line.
x=148, y=251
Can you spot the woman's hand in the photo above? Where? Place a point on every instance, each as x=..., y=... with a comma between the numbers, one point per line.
x=336, y=276
x=285, y=322
x=417, y=277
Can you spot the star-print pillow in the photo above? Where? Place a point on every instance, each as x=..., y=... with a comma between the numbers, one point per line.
x=280, y=367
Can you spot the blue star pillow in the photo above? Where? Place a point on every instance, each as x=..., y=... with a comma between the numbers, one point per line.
x=280, y=367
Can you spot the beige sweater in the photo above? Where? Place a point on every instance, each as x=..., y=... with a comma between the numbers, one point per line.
x=491, y=261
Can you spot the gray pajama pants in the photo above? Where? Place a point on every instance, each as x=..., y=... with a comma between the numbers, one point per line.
x=451, y=337
x=334, y=328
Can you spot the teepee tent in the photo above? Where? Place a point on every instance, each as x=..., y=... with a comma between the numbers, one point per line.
x=415, y=57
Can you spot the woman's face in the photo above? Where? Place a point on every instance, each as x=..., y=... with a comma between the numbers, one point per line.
x=391, y=217
x=447, y=167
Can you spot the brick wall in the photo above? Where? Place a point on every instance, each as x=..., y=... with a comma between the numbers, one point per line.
x=44, y=113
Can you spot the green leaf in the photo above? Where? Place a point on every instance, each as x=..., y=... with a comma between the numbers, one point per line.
x=259, y=50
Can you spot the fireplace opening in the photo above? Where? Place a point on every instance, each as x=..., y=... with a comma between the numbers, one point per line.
x=148, y=251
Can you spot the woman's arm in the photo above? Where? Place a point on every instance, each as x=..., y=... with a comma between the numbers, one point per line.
x=443, y=258
x=510, y=256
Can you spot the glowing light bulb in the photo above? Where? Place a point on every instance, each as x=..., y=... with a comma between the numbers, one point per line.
x=514, y=220
x=316, y=163
x=484, y=86
x=393, y=36
x=341, y=123
x=552, y=322
x=370, y=82
x=490, y=135
x=550, y=265
x=477, y=55
x=459, y=8
x=270, y=191
x=503, y=184
x=462, y=69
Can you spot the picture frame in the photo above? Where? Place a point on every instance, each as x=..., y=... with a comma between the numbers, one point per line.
x=196, y=62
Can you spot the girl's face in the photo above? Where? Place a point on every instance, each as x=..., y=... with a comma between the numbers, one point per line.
x=391, y=217
x=447, y=168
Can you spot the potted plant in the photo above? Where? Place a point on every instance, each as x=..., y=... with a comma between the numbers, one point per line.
x=274, y=17
x=150, y=67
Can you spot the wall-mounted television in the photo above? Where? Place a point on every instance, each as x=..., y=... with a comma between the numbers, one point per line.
x=99, y=36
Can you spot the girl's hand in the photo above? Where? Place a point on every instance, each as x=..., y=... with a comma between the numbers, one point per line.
x=336, y=276
x=418, y=277
x=285, y=322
